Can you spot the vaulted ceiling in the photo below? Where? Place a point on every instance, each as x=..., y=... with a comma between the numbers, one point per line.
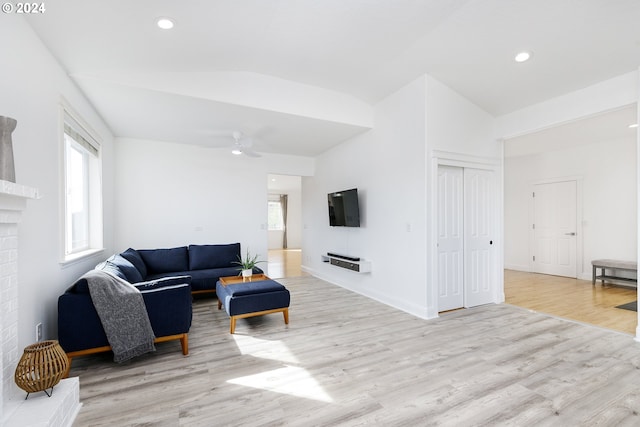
x=301, y=76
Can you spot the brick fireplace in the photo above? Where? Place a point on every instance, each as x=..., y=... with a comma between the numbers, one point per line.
x=61, y=408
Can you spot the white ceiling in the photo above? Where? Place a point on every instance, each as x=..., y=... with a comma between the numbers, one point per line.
x=356, y=51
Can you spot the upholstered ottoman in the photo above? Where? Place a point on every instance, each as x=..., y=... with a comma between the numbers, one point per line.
x=248, y=299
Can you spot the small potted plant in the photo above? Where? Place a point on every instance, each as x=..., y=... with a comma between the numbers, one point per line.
x=247, y=264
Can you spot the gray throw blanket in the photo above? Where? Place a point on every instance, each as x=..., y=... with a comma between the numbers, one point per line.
x=123, y=315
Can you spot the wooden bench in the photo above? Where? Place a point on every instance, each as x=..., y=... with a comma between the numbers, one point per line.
x=613, y=265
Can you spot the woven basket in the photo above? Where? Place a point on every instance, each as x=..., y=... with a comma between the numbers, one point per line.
x=41, y=366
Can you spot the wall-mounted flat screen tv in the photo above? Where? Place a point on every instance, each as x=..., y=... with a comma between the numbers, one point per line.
x=344, y=209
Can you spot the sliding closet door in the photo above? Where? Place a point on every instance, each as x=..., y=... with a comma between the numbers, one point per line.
x=450, y=238
x=478, y=237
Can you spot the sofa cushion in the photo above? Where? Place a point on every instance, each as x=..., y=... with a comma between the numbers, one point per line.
x=253, y=288
x=163, y=283
x=165, y=260
x=111, y=268
x=203, y=257
x=134, y=258
x=114, y=265
x=172, y=274
x=130, y=272
x=206, y=279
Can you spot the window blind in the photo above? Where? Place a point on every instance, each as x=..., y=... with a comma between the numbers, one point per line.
x=79, y=135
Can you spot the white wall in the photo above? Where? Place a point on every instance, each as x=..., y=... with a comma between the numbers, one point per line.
x=456, y=125
x=178, y=194
x=294, y=218
x=275, y=239
x=32, y=84
x=608, y=173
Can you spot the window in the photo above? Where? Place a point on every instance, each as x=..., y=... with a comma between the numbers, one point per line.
x=82, y=190
x=276, y=222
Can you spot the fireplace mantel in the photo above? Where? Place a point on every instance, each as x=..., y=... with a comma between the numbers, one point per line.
x=19, y=190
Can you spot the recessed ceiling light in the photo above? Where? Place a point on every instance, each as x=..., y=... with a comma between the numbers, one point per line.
x=236, y=151
x=165, y=23
x=633, y=126
x=523, y=56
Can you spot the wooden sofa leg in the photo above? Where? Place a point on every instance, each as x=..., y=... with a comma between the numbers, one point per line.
x=285, y=313
x=184, y=342
x=232, y=326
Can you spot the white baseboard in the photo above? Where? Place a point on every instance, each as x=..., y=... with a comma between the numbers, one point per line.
x=518, y=267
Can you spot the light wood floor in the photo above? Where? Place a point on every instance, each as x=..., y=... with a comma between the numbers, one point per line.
x=558, y=296
x=346, y=360
x=285, y=263
x=572, y=299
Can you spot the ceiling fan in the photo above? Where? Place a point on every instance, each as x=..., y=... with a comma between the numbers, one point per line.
x=242, y=145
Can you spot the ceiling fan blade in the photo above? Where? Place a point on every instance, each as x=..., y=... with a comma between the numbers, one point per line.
x=249, y=152
x=245, y=141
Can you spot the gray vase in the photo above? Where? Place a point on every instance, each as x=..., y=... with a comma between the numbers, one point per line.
x=7, y=168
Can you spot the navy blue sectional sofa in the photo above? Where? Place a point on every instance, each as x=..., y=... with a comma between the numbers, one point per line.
x=167, y=278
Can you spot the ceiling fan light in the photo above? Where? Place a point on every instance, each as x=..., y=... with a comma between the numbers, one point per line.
x=522, y=56
x=165, y=23
x=236, y=151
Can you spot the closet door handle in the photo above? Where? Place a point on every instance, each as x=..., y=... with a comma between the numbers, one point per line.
x=569, y=234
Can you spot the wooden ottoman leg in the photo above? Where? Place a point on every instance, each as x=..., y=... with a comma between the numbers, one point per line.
x=232, y=327
x=184, y=342
x=285, y=313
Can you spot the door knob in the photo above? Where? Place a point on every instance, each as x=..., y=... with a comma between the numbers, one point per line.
x=569, y=234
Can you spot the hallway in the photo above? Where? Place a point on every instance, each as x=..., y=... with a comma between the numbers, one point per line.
x=285, y=263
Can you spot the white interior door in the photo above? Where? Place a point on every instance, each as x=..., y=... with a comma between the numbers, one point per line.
x=478, y=241
x=465, y=237
x=450, y=238
x=555, y=242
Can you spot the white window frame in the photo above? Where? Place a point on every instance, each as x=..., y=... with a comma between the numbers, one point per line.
x=76, y=135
